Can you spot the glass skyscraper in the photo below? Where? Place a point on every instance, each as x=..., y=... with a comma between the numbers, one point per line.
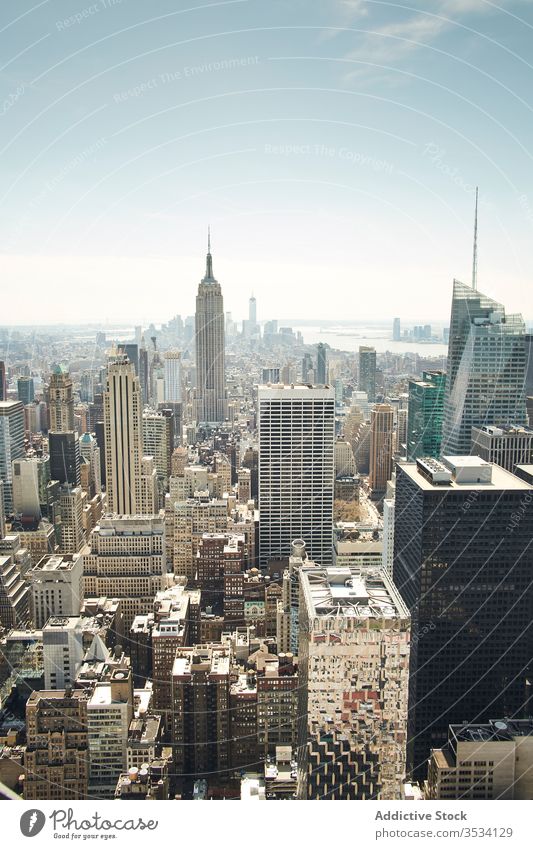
x=424, y=418
x=485, y=382
x=462, y=562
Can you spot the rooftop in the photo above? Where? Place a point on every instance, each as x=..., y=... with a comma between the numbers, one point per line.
x=345, y=591
x=501, y=479
x=495, y=730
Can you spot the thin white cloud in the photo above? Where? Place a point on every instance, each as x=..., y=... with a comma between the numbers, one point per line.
x=390, y=43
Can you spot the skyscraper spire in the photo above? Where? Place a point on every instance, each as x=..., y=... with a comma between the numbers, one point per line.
x=474, y=258
x=209, y=277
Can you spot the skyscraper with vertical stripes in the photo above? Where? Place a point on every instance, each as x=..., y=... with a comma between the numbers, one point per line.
x=123, y=437
x=211, y=406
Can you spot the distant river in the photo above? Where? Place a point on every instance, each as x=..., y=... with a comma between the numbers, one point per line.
x=349, y=339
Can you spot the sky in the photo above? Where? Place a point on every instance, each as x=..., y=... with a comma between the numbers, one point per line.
x=333, y=147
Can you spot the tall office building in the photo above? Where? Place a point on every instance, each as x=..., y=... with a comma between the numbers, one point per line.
x=63, y=651
x=64, y=450
x=11, y=445
x=492, y=760
x=56, y=588
x=109, y=714
x=462, y=562
x=61, y=401
x=158, y=440
x=26, y=499
x=381, y=448
x=486, y=377
x=367, y=372
x=296, y=470
x=125, y=559
x=396, y=330
x=210, y=354
x=353, y=667
x=123, y=437
x=91, y=459
x=424, y=417
x=14, y=594
x=131, y=349
x=201, y=717
x=172, y=361
x=71, y=531
x=252, y=314
x=26, y=389
x=56, y=760
x=321, y=364
x=507, y=445
x=3, y=381
x=144, y=372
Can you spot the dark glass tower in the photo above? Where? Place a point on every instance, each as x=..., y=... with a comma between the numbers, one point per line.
x=64, y=450
x=462, y=562
x=367, y=372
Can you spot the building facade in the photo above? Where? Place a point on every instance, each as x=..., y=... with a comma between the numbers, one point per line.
x=211, y=404
x=296, y=470
x=463, y=531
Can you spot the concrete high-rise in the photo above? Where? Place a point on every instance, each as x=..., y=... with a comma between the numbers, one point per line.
x=381, y=448
x=61, y=401
x=353, y=667
x=56, y=761
x=424, y=418
x=63, y=651
x=26, y=488
x=56, y=588
x=11, y=445
x=486, y=376
x=296, y=470
x=367, y=372
x=462, y=562
x=507, y=445
x=210, y=349
x=172, y=361
x=125, y=559
x=123, y=437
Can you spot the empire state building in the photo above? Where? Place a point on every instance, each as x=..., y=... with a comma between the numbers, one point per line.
x=210, y=355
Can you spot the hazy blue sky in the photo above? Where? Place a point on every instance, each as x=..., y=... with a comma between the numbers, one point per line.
x=333, y=147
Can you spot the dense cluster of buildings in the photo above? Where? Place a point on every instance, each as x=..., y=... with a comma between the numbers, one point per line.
x=233, y=565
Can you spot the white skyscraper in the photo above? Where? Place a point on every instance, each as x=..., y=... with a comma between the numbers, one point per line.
x=26, y=487
x=172, y=360
x=123, y=437
x=62, y=651
x=56, y=588
x=11, y=445
x=210, y=354
x=296, y=470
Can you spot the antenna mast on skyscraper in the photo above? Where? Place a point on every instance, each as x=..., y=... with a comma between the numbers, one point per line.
x=474, y=258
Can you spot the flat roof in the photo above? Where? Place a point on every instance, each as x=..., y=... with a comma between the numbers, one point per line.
x=501, y=478
x=346, y=591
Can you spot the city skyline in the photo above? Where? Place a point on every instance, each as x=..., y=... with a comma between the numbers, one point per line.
x=242, y=556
